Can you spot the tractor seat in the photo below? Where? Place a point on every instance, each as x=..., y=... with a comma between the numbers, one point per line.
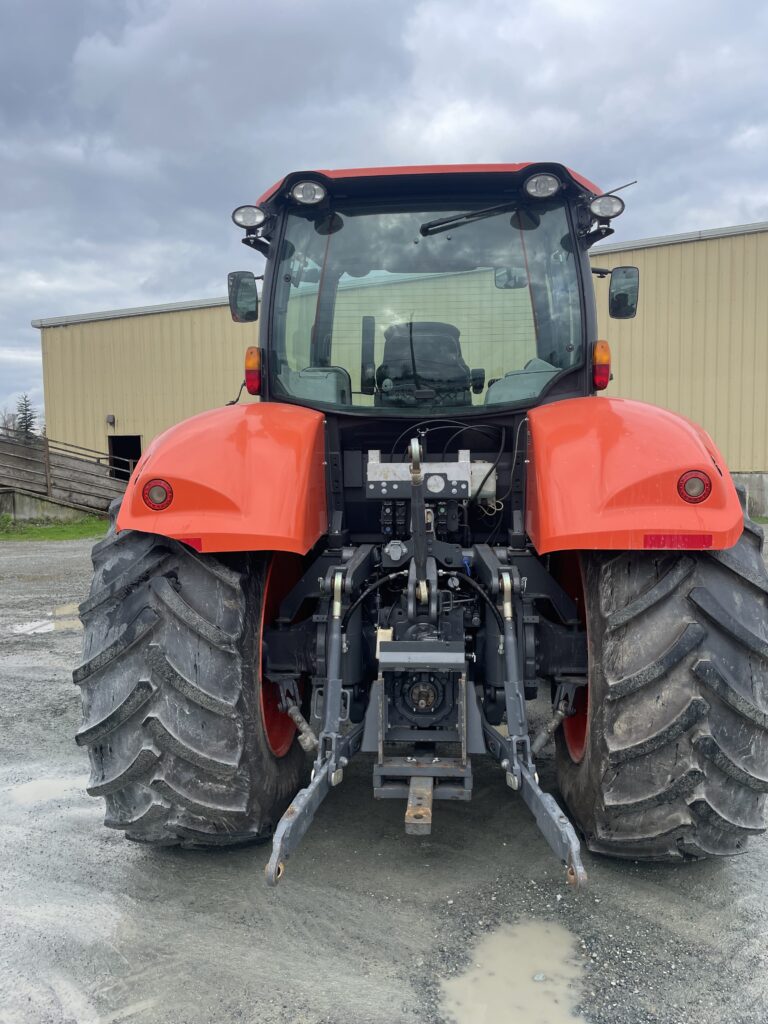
x=422, y=356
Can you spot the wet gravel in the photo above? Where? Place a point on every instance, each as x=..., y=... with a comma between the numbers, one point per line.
x=367, y=921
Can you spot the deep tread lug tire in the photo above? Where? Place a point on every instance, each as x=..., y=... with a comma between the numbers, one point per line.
x=675, y=764
x=170, y=695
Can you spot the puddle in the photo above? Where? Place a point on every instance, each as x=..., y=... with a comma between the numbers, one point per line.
x=32, y=628
x=68, y=625
x=43, y=790
x=63, y=619
x=66, y=611
x=526, y=972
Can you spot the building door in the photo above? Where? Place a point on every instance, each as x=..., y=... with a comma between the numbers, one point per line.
x=124, y=453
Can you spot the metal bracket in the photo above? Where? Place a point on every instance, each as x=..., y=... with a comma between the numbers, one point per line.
x=289, y=689
x=318, y=697
x=567, y=688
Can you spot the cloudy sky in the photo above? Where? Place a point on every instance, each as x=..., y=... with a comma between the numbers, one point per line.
x=129, y=129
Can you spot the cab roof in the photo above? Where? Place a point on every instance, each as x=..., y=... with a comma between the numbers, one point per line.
x=484, y=172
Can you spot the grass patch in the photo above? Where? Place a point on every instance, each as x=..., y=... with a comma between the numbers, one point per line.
x=85, y=528
x=763, y=520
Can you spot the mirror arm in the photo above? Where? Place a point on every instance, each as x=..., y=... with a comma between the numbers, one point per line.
x=597, y=234
x=260, y=244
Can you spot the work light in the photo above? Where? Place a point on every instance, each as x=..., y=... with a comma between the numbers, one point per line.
x=541, y=186
x=249, y=216
x=605, y=207
x=308, y=192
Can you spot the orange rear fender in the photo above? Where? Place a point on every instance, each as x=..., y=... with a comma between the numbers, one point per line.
x=603, y=475
x=244, y=478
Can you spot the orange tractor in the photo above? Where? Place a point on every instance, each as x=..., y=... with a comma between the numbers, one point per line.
x=429, y=519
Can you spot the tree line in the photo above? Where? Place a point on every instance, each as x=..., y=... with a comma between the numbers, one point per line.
x=23, y=422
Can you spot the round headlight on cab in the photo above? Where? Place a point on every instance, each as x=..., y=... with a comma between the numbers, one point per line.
x=605, y=207
x=309, y=192
x=249, y=216
x=542, y=186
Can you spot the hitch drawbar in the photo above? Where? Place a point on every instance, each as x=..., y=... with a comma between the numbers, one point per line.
x=426, y=654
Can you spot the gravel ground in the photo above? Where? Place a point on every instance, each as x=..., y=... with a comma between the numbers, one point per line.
x=94, y=929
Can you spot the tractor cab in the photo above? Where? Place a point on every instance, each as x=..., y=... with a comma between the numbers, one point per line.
x=435, y=291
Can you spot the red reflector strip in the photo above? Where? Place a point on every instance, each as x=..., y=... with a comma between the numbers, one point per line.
x=193, y=542
x=676, y=541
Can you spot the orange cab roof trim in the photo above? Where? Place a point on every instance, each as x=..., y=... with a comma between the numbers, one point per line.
x=372, y=172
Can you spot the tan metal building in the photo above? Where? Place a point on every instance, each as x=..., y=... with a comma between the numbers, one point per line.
x=699, y=346
x=115, y=380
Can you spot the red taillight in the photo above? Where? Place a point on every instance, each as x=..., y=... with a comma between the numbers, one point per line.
x=253, y=370
x=601, y=365
x=694, y=486
x=157, y=494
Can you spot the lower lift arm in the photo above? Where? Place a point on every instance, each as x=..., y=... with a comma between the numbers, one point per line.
x=333, y=752
x=514, y=750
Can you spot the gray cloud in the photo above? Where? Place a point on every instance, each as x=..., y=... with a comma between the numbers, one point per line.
x=129, y=130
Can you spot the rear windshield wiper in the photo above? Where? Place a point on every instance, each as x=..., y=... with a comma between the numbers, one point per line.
x=434, y=227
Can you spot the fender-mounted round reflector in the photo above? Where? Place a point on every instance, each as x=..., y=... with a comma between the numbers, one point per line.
x=601, y=365
x=694, y=486
x=157, y=494
x=253, y=370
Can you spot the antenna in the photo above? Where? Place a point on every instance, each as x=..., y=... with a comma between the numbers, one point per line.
x=620, y=187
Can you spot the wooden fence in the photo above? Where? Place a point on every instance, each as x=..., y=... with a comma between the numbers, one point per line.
x=65, y=473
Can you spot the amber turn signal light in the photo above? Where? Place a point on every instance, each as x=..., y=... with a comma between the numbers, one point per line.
x=601, y=365
x=253, y=370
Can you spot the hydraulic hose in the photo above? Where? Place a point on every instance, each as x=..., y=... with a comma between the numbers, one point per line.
x=467, y=581
x=367, y=592
x=463, y=580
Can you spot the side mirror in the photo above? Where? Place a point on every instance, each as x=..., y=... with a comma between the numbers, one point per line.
x=243, y=296
x=623, y=292
x=510, y=277
x=477, y=379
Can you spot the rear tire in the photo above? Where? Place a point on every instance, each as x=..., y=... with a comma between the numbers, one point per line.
x=171, y=695
x=675, y=755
